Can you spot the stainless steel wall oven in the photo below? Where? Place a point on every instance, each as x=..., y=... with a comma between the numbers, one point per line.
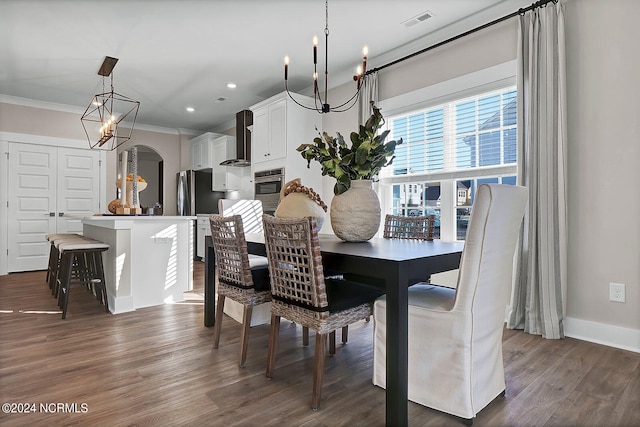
x=267, y=186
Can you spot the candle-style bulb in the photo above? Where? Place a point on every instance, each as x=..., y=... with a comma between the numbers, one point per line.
x=365, y=52
x=286, y=67
x=358, y=70
x=315, y=50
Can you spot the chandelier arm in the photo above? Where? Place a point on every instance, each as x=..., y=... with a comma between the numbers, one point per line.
x=353, y=100
x=355, y=96
x=294, y=100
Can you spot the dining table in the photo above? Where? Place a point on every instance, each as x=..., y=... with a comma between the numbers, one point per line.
x=394, y=264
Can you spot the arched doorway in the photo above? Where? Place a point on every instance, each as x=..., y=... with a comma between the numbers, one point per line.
x=151, y=168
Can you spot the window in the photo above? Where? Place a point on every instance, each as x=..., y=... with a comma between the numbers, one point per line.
x=447, y=151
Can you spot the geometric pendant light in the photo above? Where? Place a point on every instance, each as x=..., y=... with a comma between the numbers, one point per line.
x=106, y=111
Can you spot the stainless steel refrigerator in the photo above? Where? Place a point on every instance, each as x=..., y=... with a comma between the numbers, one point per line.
x=195, y=196
x=194, y=193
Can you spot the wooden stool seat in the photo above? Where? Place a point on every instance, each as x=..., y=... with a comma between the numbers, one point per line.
x=54, y=257
x=86, y=254
x=53, y=253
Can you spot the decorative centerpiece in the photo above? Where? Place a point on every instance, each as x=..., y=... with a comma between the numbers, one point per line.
x=129, y=201
x=130, y=187
x=355, y=208
x=298, y=201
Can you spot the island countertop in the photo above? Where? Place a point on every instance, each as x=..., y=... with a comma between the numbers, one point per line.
x=125, y=221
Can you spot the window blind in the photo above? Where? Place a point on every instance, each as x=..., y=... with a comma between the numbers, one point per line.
x=473, y=133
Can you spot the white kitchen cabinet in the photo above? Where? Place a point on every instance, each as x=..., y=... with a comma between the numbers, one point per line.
x=279, y=127
x=202, y=151
x=269, y=136
x=203, y=229
x=225, y=178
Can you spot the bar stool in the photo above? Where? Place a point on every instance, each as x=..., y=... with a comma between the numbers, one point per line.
x=54, y=258
x=87, y=255
x=53, y=252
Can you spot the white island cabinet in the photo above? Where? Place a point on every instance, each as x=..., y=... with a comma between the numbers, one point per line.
x=149, y=261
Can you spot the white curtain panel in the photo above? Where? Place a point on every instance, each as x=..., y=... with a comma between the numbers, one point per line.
x=541, y=277
x=368, y=93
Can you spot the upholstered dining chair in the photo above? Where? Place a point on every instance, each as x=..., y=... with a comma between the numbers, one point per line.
x=239, y=277
x=455, y=335
x=301, y=293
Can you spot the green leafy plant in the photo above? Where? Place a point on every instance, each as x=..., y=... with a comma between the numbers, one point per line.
x=363, y=160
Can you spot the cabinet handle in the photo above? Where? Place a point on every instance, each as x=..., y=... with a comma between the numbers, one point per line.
x=50, y=214
x=60, y=213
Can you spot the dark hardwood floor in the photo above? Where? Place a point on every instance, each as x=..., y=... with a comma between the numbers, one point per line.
x=157, y=367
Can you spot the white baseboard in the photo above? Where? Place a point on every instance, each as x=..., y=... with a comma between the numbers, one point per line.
x=120, y=304
x=601, y=333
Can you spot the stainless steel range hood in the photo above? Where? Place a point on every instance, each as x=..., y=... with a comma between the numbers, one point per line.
x=244, y=119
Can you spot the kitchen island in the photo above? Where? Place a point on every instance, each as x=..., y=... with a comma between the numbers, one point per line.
x=150, y=259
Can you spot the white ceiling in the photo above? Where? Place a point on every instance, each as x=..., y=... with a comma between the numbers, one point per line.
x=174, y=54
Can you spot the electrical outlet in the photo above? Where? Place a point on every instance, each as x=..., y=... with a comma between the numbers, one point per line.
x=616, y=292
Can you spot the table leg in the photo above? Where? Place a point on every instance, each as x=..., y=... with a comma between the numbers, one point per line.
x=397, y=348
x=209, y=283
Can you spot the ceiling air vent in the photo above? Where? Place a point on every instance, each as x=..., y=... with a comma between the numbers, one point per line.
x=417, y=19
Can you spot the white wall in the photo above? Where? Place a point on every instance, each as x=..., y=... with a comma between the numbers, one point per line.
x=604, y=141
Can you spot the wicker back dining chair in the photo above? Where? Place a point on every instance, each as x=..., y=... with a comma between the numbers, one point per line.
x=301, y=293
x=409, y=227
x=240, y=278
x=401, y=227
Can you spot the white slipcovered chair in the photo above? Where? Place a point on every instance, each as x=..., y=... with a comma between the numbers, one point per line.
x=455, y=335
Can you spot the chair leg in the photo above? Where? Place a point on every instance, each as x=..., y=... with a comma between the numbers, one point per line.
x=318, y=370
x=64, y=278
x=218, y=322
x=305, y=336
x=273, y=341
x=332, y=343
x=345, y=334
x=100, y=275
x=244, y=335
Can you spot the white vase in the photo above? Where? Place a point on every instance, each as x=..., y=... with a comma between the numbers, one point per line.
x=355, y=214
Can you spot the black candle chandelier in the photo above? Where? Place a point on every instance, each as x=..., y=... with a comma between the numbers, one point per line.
x=107, y=110
x=322, y=106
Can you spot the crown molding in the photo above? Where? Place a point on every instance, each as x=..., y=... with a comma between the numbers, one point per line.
x=45, y=105
x=34, y=103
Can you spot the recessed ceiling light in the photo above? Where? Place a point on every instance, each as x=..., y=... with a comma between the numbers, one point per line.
x=231, y=85
x=191, y=109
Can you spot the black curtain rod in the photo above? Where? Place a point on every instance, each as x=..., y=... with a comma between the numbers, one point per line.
x=459, y=36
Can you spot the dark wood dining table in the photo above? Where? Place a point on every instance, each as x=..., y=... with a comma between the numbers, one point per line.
x=397, y=264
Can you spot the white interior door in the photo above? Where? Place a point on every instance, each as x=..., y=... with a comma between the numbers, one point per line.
x=32, y=205
x=50, y=190
x=78, y=186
